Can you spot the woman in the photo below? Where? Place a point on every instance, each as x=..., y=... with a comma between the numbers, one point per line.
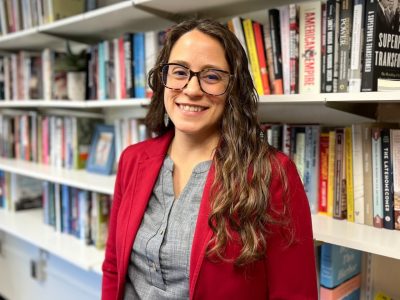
x=207, y=210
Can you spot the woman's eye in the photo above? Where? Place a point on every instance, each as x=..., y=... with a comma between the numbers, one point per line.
x=180, y=72
x=211, y=76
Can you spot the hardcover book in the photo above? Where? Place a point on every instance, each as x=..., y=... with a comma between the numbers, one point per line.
x=338, y=264
x=382, y=45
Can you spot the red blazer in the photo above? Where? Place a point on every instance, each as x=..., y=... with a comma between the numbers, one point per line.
x=287, y=272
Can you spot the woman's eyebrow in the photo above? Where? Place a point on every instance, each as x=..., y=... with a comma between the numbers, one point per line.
x=186, y=64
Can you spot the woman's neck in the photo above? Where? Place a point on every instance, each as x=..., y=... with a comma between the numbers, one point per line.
x=193, y=148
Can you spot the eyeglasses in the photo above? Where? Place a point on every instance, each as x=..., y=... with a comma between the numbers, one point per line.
x=213, y=82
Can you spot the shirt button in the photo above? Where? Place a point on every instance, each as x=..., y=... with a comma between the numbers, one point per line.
x=154, y=266
x=162, y=232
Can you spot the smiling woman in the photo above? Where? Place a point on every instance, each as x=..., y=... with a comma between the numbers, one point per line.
x=207, y=210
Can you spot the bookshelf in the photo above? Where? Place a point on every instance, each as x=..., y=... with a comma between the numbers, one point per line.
x=28, y=226
x=75, y=178
x=141, y=15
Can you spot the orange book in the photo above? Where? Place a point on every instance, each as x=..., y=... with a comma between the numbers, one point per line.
x=258, y=36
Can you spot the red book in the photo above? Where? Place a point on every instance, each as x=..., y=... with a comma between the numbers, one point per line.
x=258, y=36
x=121, y=62
x=323, y=173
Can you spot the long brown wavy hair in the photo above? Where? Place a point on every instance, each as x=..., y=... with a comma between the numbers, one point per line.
x=243, y=160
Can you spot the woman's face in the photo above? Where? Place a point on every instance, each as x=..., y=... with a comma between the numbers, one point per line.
x=192, y=111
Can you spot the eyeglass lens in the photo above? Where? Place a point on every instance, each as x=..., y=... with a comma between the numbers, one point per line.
x=213, y=82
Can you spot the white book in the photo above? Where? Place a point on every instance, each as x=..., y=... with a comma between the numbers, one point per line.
x=285, y=46
x=358, y=173
x=356, y=47
x=117, y=67
x=151, y=51
x=310, y=47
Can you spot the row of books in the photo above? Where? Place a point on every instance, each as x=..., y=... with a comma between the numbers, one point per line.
x=318, y=46
x=60, y=141
x=77, y=212
x=114, y=69
x=348, y=173
x=16, y=15
x=67, y=209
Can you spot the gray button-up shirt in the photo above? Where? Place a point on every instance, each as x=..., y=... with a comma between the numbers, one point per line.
x=160, y=258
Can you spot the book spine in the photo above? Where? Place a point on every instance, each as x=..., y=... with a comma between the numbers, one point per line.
x=339, y=204
x=323, y=172
x=358, y=174
x=331, y=172
x=395, y=152
x=367, y=162
x=269, y=54
x=258, y=35
x=356, y=46
x=377, y=177
x=387, y=177
x=349, y=174
x=367, y=84
x=139, y=65
x=252, y=52
x=310, y=47
x=323, y=47
x=336, y=48
x=284, y=21
x=276, y=51
x=294, y=49
x=346, y=20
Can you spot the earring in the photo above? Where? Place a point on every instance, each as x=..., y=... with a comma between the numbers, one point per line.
x=166, y=119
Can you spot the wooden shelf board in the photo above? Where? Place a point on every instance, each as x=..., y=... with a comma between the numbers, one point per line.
x=357, y=236
x=28, y=225
x=76, y=178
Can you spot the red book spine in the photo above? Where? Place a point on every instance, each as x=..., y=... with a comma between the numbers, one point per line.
x=261, y=57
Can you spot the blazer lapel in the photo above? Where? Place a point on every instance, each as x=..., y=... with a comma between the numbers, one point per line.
x=202, y=235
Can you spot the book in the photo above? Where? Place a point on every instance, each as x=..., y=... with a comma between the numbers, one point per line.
x=349, y=290
x=395, y=152
x=346, y=22
x=310, y=47
x=381, y=48
x=323, y=172
x=356, y=46
x=349, y=173
x=387, y=178
x=377, y=177
x=252, y=54
x=273, y=17
x=338, y=264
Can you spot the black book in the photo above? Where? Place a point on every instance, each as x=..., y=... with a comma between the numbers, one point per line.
x=382, y=46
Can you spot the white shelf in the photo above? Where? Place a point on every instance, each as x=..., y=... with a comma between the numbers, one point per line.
x=75, y=104
x=28, y=225
x=357, y=236
x=90, y=27
x=303, y=108
x=208, y=8
x=76, y=178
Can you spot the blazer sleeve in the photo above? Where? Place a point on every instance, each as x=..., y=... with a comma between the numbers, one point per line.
x=291, y=269
x=110, y=267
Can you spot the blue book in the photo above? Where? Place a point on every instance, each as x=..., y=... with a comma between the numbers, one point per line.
x=66, y=209
x=338, y=264
x=139, y=71
x=102, y=82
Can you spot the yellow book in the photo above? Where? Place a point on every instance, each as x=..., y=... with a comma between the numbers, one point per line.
x=60, y=9
x=252, y=53
x=349, y=173
x=331, y=172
